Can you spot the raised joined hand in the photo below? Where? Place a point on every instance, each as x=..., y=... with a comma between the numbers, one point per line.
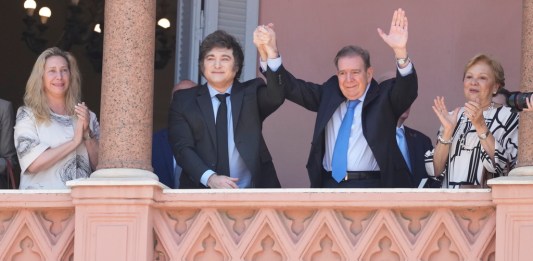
x=265, y=41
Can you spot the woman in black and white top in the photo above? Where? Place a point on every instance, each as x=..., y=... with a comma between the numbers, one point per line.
x=479, y=140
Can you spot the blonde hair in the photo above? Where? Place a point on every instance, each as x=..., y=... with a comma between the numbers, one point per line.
x=495, y=66
x=35, y=98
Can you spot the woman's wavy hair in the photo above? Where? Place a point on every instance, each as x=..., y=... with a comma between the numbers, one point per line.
x=35, y=97
x=494, y=65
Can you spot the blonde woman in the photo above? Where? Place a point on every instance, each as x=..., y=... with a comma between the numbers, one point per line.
x=56, y=136
x=479, y=140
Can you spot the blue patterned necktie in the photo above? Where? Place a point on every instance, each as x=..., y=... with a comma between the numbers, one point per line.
x=402, y=144
x=340, y=152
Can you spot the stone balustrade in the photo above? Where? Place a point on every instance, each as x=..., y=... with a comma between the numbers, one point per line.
x=288, y=224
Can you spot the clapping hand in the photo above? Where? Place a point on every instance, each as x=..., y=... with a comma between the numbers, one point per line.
x=448, y=121
x=82, y=112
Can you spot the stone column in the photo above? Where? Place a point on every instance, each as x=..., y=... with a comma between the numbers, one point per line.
x=113, y=208
x=513, y=195
x=525, y=143
x=127, y=89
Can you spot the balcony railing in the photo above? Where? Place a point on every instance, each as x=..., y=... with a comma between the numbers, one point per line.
x=286, y=224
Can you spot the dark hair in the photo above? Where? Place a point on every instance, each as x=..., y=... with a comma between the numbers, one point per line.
x=221, y=39
x=353, y=50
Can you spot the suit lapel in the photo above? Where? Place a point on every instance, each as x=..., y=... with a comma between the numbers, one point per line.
x=331, y=102
x=206, y=107
x=237, y=95
x=373, y=91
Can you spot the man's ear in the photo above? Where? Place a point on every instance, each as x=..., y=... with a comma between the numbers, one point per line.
x=369, y=73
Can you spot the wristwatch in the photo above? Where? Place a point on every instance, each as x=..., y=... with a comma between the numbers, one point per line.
x=402, y=61
x=484, y=135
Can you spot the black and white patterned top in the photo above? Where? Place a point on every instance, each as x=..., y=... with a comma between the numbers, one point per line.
x=31, y=140
x=467, y=158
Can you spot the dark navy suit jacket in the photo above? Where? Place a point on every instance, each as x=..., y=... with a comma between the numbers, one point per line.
x=162, y=158
x=418, y=144
x=192, y=130
x=382, y=107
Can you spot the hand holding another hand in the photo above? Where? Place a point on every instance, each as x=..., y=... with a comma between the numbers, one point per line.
x=265, y=41
x=222, y=182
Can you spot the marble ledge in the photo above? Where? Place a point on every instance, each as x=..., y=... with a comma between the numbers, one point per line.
x=323, y=191
x=511, y=180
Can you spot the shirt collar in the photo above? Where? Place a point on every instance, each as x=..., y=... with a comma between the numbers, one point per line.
x=401, y=127
x=213, y=92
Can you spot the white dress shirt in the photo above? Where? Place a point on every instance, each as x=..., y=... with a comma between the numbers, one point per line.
x=237, y=167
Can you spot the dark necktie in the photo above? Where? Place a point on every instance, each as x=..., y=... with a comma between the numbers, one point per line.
x=222, y=136
x=339, y=160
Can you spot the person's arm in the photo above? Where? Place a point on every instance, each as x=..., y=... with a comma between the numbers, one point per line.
x=448, y=121
x=181, y=137
x=182, y=142
x=303, y=93
x=474, y=113
x=92, y=145
x=91, y=140
x=505, y=136
x=89, y=137
x=51, y=156
x=269, y=97
x=405, y=89
x=397, y=37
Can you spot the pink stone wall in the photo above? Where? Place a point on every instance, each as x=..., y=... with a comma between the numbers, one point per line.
x=36, y=226
x=273, y=225
x=443, y=35
x=313, y=225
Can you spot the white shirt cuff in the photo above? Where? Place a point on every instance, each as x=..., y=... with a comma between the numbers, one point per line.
x=273, y=64
x=205, y=177
x=407, y=70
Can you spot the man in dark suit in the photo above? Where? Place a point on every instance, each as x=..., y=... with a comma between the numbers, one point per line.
x=163, y=161
x=8, y=154
x=215, y=129
x=358, y=150
x=416, y=144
